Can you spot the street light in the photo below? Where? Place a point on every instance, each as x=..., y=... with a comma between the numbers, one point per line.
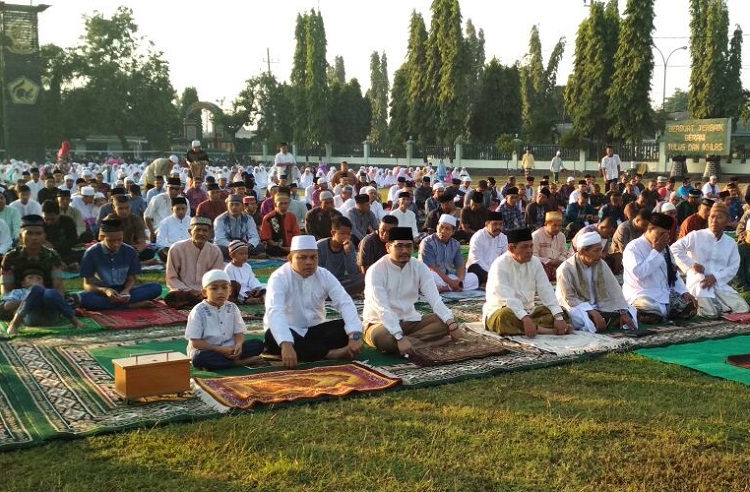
x=666, y=61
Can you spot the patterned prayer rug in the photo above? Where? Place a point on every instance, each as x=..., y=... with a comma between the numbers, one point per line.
x=159, y=315
x=739, y=360
x=742, y=319
x=46, y=393
x=469, y=347
x=276, y=387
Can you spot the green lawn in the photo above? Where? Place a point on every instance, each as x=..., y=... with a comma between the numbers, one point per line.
x=620, y=422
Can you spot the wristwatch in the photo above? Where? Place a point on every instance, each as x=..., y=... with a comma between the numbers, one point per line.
x=356, y=336
x=558, y=317
x=398, y=336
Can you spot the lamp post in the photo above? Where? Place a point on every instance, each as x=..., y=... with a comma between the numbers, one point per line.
x=666, y=62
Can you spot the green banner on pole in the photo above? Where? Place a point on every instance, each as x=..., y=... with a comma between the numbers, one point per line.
x=698, y=137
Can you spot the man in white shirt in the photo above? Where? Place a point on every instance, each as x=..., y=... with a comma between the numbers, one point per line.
x=514, y=281
x=394, y=190
x=486, y=246
x=711, y=259
x=35, y=184
x=610, y=167
x=550, y=245
x=295, y=319
x=344, y=202
x=588, y=289
x=174, y=228
x=392, y=286
x=160, y=206
x=403, y=213
x=375, y=206
x=283, y=161
x=710, y=190
x=25, y=205
x=650, y=280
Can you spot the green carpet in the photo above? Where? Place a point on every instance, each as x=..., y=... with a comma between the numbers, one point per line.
x=708, y=357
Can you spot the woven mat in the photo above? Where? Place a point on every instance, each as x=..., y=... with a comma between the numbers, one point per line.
x=469, y=347
x=270, y=388
x=742, y=319
x=119, y=319
x=739, y=360
x=47, y=394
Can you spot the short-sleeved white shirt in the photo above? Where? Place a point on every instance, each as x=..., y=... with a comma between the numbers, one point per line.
x=216, y=326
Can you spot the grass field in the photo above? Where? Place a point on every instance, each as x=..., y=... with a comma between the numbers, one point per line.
x=620, y=423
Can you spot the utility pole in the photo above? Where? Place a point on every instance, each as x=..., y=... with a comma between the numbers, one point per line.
x=268, y=61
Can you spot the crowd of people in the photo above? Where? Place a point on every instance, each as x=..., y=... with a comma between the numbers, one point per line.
x=548, y=256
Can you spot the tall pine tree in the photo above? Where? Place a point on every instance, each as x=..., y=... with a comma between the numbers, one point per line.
x=629, y=94
x=316, y=83
x=298, y=79
x=421, y=124
x=378, y=97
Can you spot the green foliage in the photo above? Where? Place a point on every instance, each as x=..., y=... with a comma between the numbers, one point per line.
x=188, y=97
x=716, y=88
x=318, y=130
x=275, y=109
x=378, y=99
x=337, y=72
x=497, y=107
x=676, y=102
x=421, y=123
x=629, y=93
x=114, y=82
x=537, y=89
x=586, y=93
x=243, y=112
x=298, y=79
x=350, y=115
x=398, y=127
x=447, y=36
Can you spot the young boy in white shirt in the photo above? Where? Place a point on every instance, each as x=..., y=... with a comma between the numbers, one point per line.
x=246, y=288
x=215, y=329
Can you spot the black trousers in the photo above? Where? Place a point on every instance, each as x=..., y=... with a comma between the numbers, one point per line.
x=320, y=339
x=479, y=272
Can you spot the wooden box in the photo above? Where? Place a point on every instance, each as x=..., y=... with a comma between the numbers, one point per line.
x=152, y=374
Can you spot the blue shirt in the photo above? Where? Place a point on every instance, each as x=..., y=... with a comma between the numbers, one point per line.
x=447, y=257
x=512, y=217
x=683, y=191
x=112, y=269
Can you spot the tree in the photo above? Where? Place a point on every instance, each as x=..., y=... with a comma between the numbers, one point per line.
x=474, y=64
x=586, y=93
x=56, y=69
x=189, y=97
x=446, y=48
x=708, y=53
x=537, y=89
x=275, y=109
x=733, y=92
x=350, y=115
x=422, y=124
x=498, y=104
x=398, y=127
x=298, y=79
x=338, y=72
x=316, y=83
x=629, y=94
x=677, y=102
x=378, y=97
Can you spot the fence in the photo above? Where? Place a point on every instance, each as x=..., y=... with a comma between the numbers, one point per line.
x=639, y=152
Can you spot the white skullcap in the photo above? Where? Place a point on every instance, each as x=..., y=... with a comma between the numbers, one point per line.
x=87, y=172
x=196, y=143
x=571, y=178
x=70, y=177
x=674, y=194
x=322, y=181
x=326, y=195
x=88, y=191
x=303, y=242
x=447, y=219
x=465, y=177
x=668, y=207
x=713, y=177
x=588, y=239
x=272, y=185
x=438, y=186
x=661, y=179
x=557, y=153
x=367, y=189
x=212, y=276
x=174, y=159
x=99, y=194
x=174, y=172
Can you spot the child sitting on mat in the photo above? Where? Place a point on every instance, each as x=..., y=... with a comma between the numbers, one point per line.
x=35, y=305
x=246, y=288
x=215, y=329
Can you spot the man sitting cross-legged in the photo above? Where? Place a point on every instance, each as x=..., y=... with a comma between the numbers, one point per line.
x=650, y=280
x=295, y=319
x=588, y=289
x=188, y=261
x=392, y=286
x=515, y=279
x=338, y=255
x=442, y=254
x=711, y=260
x=109, y=268
x=550, y=245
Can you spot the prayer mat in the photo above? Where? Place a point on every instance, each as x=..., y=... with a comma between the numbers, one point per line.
x=741, y=319
x=708, y=357
x=120, y=319
x=740, y=360
x=465, y=349
x=48, y=394
x=270, y=388
x=62, y=329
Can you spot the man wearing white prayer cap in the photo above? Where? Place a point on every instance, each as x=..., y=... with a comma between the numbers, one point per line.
x=295, y=320
x=442, y=255
x=197, y=159
x=159, y=167
x=589, y=291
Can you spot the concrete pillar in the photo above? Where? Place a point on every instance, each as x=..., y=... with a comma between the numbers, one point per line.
x=459, y=151
x=366, y=150
x=581, y=166
x=329, y=153
x=662, y=156
x=409, y=151
x=265, y=151
x=294, y=150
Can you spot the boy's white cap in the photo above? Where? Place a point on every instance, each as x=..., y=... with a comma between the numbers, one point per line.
x=303, y=242
x=212, y=276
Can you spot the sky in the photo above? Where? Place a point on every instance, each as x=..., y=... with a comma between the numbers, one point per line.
x=216, y=46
